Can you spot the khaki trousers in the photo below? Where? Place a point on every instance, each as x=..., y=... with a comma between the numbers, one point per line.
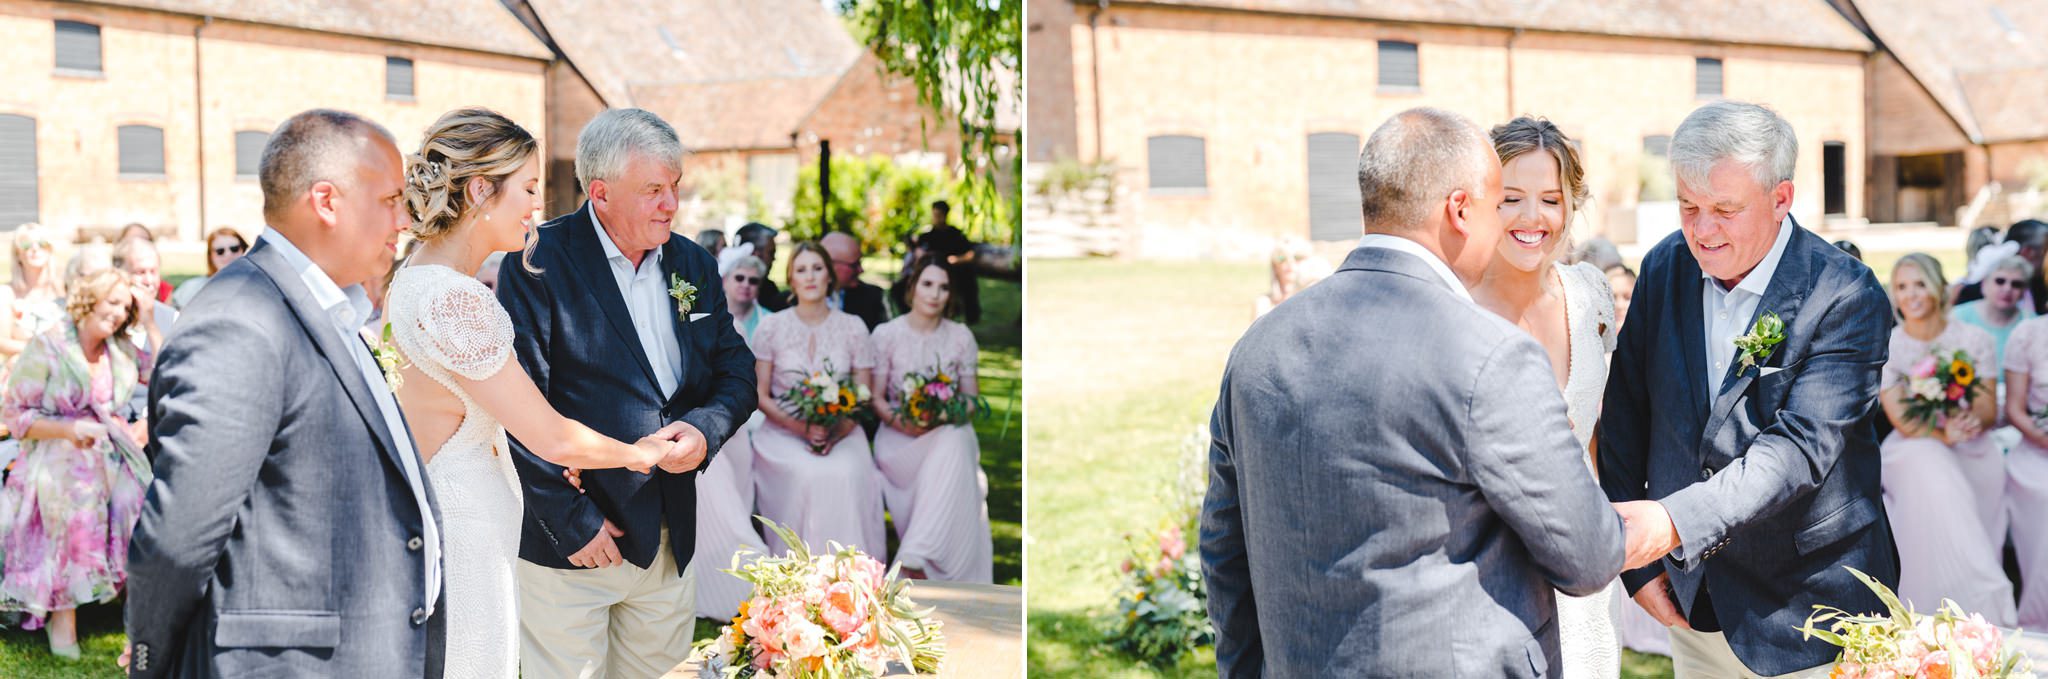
x=622, y=621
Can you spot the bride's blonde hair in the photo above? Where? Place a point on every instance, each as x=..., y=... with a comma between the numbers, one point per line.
x=464, y=144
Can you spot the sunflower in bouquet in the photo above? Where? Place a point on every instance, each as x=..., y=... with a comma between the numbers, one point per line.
x=1939, y=386
x=934, y=397
x=821, y=616
x=826, y=398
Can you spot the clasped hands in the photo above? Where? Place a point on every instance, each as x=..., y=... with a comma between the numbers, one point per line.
x=1648, y=535
x=676, y=448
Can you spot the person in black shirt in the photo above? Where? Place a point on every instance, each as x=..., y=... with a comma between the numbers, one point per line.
x=944, y=240
x=762, y=237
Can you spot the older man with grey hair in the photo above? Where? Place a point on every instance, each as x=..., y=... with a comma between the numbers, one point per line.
x=1421, y=526
x=1743, y=401
x=622, y=323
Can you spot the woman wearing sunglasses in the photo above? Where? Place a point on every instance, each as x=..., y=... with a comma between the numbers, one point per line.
x=743, y=273
x=223, y=247
x=2001, y=309
x=34, y=300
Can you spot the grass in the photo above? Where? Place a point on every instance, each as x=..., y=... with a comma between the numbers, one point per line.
x=1125, y=362
x=25, y=655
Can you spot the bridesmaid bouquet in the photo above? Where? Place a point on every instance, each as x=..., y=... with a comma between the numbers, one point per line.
x=1903, y=644
x=933, y=397
x=1939, y=386
x=821, y=616
x=825, y=398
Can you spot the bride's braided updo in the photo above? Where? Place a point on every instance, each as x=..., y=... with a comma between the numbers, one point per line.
x=465, y=143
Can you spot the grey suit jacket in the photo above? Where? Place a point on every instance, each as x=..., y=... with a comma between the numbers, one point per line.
x=1394, y=490
x=280, y=537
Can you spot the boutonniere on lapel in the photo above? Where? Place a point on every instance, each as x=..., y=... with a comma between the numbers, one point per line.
x=684, y=293
x=1763, y=338
x=388, y=360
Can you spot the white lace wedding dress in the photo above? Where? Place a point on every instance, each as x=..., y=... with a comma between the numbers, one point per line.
x=1585, y=625
x=446, y=323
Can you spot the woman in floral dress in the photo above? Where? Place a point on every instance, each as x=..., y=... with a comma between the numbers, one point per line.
x=72, y=498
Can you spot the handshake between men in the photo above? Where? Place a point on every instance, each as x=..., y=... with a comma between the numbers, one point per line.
x=1648, y=535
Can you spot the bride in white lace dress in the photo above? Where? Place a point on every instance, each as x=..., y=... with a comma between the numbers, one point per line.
x=472, y=190
x=1570, y=311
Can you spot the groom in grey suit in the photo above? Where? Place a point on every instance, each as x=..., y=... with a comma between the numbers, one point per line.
x=1394, y=490
x=290, y=531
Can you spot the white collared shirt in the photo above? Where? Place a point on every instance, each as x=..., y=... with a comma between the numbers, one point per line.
x=1397, y=243
x=347, y=311
x=646, y=296
x=1727, y=312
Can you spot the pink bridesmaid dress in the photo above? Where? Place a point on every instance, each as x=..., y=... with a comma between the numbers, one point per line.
x=835, y=497
x=933, y=484
x=1933, y=495
x=2026, y=489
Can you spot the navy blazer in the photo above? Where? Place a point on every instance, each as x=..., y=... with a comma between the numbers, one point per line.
x=1772, y=481
x=574, y=337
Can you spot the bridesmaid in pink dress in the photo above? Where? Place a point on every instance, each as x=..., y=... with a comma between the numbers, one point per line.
x=931, y=478
x=2026, y=490
x=1945, y=551
x=834, y=494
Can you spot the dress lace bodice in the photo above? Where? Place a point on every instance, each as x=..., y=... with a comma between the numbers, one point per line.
x=447, y=324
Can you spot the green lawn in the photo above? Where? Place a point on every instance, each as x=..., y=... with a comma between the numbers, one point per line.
x=25, y=655
x=1125, y=363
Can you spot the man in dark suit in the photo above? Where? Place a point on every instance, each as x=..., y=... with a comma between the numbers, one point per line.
x=762, y=237
x=612, y=334
x=1764, y=471
x=290, y=530
x=854, y=296
x=1400, y=497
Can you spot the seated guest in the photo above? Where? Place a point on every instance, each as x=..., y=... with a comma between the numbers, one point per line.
x=2028, y=239
x=1287, y=254
x=223, y=247
x=817, y=480
x=2026, y=488
x=853, y=295
x=762, y=237
x=2001, y=309
x=72, y=498
x=161, y=291
x=713, y=241
x=742, y=274
x=34, y=299
x=931, y=476
x=1933, y=471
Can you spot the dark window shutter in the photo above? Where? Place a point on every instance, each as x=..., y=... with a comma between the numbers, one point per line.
x=1400, y=66
x=1177, y=163
x=1706, y=77
x=398, y=77
x=249, y=152
x=1333, y=202
x=1658, y=145
x=17, y=171
x=142, y=149
x=78, y=46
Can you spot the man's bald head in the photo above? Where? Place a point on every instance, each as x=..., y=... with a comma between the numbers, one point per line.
x=1414, y=161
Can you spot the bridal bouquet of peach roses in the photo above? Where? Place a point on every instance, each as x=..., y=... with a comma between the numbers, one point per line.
x=1946, y=645
x=832, y=615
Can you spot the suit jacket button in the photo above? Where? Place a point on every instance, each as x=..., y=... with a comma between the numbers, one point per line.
x=1706, y=473
x=414, y=544
x=419, y=617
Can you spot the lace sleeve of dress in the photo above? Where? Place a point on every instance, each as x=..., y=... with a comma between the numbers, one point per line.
x=465, y=329
x=1599, y=299
x=862, y=345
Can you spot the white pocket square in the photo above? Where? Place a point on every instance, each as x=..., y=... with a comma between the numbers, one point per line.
x=1767, y=372
x=698, y=317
